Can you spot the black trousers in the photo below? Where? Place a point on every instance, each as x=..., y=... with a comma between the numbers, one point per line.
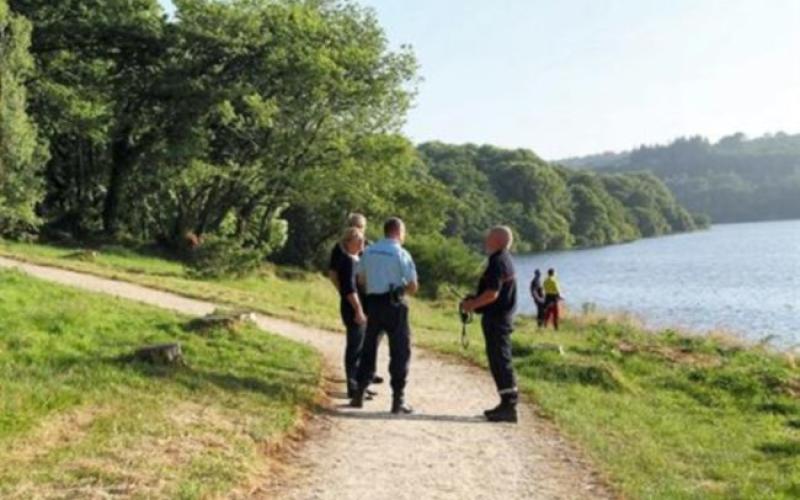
x=352, y=353
x=540, y=309
x=391, y=318
x=497, y=333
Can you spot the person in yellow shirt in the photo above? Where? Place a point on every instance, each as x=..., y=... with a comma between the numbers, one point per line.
x=552, y=296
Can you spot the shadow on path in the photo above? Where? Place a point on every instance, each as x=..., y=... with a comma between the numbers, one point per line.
x=418, y=417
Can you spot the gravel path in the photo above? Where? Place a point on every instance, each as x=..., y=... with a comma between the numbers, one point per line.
x=446, y=450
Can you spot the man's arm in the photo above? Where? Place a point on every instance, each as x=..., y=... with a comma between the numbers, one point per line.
x=410, y=274
x=484, y=299
x=494, y=281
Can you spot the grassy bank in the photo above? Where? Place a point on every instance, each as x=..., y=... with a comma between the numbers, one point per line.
x=663, y=415
x=75, y=422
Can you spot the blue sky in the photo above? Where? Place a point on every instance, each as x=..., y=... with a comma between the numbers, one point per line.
x=569, y=77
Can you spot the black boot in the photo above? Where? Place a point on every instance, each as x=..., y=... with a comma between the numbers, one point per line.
x=357, y=401
x=400, y=407
x=506, y=412
x=493, y=410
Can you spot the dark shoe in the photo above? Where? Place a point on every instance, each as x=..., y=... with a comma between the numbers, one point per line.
x=357, y=401
x=503, y=414
x=399, y=407
x=371, y=393
x=493, y=410
x=377, y=380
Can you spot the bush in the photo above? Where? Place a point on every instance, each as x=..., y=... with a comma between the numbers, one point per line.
x=222, y=258
x=443, y=261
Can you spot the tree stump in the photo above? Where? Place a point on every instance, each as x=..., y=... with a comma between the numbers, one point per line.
x=160, y=354
x=230, y=321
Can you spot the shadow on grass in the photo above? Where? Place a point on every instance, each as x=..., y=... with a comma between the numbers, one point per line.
x=193, y=379
x=562, y=371
x=778, y=408
x=787, y=449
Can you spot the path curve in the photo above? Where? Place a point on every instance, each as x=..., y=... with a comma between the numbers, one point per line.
x=444, y=451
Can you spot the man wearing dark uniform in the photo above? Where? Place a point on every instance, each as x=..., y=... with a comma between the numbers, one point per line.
x=388, y=272
x=496, y=301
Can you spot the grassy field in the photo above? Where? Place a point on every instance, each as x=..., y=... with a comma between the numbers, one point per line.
x=663, y=415
x=76, y=422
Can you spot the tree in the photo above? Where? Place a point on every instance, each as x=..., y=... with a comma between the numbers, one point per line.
x=21, y=154
x=281, y=99
x=93, y=99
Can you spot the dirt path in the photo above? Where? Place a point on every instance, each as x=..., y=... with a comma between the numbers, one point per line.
x=444, y=451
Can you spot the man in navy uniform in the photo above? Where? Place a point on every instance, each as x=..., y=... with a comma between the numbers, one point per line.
x=388, y=272
x=496, y=301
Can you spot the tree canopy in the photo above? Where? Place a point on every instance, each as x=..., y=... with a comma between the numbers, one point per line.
x=548, y=206
x=735, y=179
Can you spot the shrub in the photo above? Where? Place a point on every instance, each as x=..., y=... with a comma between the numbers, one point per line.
x=221, y=258
x=443, y=261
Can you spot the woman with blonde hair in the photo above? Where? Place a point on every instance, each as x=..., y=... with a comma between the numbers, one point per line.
x=351, y=307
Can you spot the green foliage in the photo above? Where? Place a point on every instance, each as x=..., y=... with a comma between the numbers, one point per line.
x=383, y=177
x=733, y=180
x=443, y=261
x=548, y=206
x=21, y=154
x=222, y=258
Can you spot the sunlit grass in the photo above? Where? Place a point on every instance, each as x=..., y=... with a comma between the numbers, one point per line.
x=76, y=422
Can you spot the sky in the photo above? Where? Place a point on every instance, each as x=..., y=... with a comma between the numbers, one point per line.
x=574, y=77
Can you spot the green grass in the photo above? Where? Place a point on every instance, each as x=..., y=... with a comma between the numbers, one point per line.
x=76, y=422
x=662, y=415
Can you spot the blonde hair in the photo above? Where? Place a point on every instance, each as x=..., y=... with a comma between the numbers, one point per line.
x=356, y=220
x=352, y=234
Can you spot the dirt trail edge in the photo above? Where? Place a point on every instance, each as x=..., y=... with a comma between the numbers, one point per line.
x=446, y=450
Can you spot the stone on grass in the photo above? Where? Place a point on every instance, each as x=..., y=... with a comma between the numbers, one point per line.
x=160, y=354
x=227, y=320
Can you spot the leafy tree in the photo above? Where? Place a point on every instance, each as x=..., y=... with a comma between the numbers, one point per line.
x=21, y=154
x=283, y=96
x=549, y=207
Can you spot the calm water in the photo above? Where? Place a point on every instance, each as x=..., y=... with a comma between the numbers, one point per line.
x=743, y=278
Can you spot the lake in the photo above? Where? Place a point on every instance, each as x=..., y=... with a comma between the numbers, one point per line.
x=742, y=278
